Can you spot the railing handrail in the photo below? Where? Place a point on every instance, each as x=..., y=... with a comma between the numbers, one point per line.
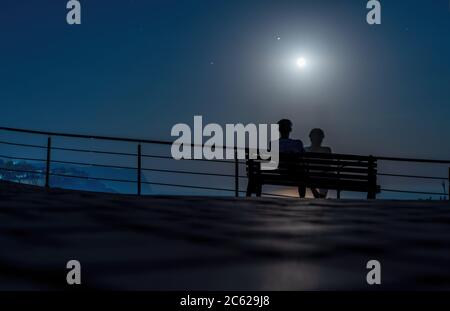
x=84, y=136
x=110, y=138
x=399, y=159
x=166, y=143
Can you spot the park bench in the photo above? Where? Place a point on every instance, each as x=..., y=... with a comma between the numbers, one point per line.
x=338, y=172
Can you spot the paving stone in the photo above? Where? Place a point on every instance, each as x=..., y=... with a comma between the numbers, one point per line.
x=204, y=243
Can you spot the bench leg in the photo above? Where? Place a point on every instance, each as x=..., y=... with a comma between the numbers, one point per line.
x=259, y=190
x=302, y=191
x=249, y=189
x=254, y=186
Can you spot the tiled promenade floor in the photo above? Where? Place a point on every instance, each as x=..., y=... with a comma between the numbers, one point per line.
x=179, y=243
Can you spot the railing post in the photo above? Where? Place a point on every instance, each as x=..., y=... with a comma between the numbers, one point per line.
x=448, y=190
x=139, y=169
x=371, y=194
x=236, y=174
x=338, y=191
x=47, y=170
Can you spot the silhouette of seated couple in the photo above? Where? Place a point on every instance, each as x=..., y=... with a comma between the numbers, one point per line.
x=295, y=146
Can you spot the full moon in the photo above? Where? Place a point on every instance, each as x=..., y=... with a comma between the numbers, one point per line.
x=301, y=62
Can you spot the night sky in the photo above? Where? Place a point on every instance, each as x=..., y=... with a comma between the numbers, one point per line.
x=136, y=68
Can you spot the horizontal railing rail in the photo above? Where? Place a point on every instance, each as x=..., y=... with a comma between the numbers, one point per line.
x=139, y=168
x=399, y=159
x=67, y=135
x=413, y=176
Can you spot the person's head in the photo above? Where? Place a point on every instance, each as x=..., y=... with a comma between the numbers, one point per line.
x=285, y=128
x=316, y=136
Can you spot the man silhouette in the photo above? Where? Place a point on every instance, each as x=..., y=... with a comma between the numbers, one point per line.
x=287, y=145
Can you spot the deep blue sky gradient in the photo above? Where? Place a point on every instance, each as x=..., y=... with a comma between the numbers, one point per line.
x=135, y=68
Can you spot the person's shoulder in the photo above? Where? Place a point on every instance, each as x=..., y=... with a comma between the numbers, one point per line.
x=291, y=141
x=300, y=146
x=298, y=141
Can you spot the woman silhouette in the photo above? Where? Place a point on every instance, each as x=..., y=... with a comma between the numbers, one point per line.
x=317, y=136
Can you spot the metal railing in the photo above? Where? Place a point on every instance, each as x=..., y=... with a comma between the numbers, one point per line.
x=412, y=176
x=140, y=155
